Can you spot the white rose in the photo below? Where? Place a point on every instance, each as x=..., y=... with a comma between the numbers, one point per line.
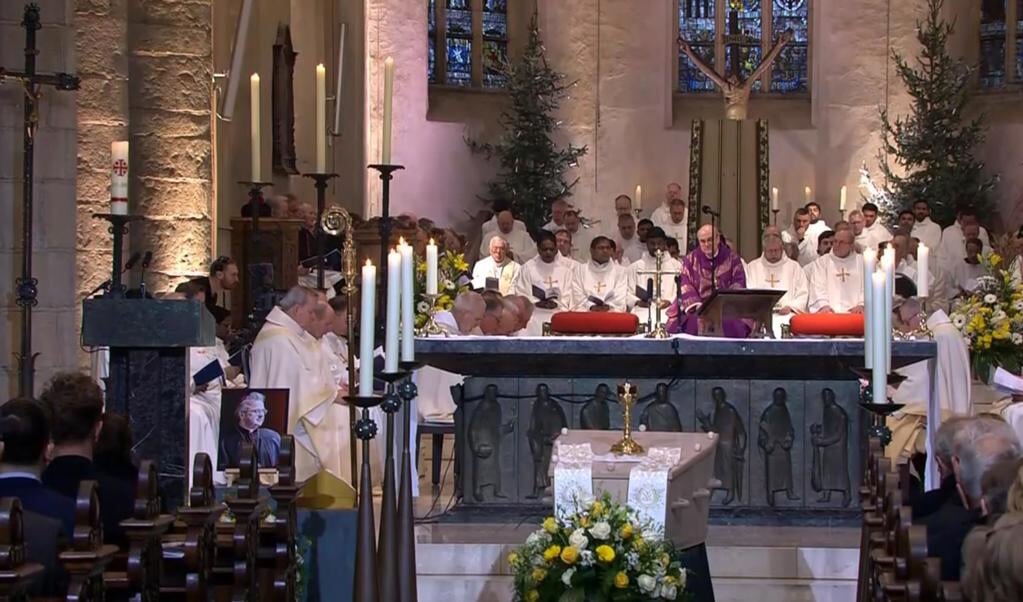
x=422, y=307
x=990, y=298
x=1017, y=338
x=1018, y=306
x=578, y=539
x=683, y=575
x=601, y=530
x=998, y=316
x=668, y=592
x=646, y=583
x=566, y=577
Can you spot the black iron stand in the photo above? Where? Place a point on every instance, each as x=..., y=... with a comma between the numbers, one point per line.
x=387, y=552
x=406, y=517
x=366, y=587
x=321, y=180
x=386, y=175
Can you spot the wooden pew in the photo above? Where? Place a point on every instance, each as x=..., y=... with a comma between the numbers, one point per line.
x=277, y=536
x=88, y=555
x=237, y=541
x=189, y=548
x=16, y=575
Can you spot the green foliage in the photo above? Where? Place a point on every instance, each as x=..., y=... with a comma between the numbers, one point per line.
x=934, y=144
x=532, y=166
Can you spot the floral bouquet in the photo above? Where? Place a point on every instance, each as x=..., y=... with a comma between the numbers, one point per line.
x=601, y=552
x=452, y=280
x=991, y=320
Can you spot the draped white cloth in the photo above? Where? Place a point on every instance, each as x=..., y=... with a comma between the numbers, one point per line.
x=573, y=477
x=607, y=282
x=548, y=277
x=836, y=282
x=648, y=485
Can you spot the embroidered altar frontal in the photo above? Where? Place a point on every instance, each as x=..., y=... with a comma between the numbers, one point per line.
x=791, y=433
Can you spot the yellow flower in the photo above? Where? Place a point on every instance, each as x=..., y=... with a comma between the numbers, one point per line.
x=665, y=560
x=539, y=574
x=669, y=580
x=639, y=544
x=626, y=531
x=570, y=554
x=551, y=553
x=605, y=553
x=621, y=580
x=598, y=508
x=513, y=558
x=584, y=522
x=550, y=525
x=532, y=596
x=995, y=259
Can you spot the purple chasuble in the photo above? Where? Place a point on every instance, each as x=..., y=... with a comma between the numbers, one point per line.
x=696, y=286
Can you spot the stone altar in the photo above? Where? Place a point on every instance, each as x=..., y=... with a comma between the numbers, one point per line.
x=791, y=430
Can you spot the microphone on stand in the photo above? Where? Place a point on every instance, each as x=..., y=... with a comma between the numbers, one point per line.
x=105, y=285
x=145, y=265
x=708, y=211
x=130, y=264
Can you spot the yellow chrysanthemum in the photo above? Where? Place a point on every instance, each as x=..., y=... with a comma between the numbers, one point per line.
x=626, y=531
x=539, y=574
x=621, y=580
x=551, y=553
x=570, y=554
x=597, y=509
x=584, y=522
x=605, y=553
x=665, y=560
x=532, y=596
x=550, y=525
x=513, y=558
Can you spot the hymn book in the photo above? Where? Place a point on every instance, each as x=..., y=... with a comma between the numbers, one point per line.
x=544, y=295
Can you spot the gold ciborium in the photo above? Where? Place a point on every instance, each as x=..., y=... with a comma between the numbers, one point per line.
x=627, y=446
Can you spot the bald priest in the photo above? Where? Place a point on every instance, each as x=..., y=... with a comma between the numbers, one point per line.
x=712, y=266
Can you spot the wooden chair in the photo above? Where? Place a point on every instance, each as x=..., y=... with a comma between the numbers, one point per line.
x=277, y=535
x=234, y=573
x=88, y=556
x=436, y=431
x=16, y=575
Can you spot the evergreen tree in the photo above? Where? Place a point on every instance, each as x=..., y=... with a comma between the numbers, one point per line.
x=933, y=145
x=532, y=166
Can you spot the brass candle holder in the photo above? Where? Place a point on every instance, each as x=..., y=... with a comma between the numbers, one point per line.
x=627, y=446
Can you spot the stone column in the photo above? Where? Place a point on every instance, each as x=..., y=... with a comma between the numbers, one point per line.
x=170, y=64
x=101, y=40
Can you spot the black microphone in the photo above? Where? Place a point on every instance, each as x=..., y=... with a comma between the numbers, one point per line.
x=132, y=261
x=708, y=211
x=147, y=260
x=105, y=284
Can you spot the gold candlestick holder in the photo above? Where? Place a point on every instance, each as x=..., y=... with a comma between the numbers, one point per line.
x=627, y=446
x=431, y=328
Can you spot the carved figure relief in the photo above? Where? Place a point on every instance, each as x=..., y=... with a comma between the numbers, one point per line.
x=829, y=438
x=545, y=426
x=660, y=415
x=596, y=415
x=731, y=452
x=485, y=433
x=775, y=441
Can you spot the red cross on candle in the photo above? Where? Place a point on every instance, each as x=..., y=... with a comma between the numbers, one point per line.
x=120, y=167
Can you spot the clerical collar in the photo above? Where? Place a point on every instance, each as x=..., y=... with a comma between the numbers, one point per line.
x=281, y=318
x=600, y=266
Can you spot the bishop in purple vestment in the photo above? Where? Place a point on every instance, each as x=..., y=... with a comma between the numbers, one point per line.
x=696, y=283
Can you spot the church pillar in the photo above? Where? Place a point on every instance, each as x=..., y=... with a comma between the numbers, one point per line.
x=170, y=63
x=101, y=43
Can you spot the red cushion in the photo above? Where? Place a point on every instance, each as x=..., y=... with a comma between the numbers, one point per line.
x=591, y=322
x=831, y=325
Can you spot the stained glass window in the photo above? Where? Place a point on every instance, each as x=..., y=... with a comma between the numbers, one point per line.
x=431, y=41
x=732, y=36
x=459, y=43
x=495, y=43
x=468, y=44
x=992, y=43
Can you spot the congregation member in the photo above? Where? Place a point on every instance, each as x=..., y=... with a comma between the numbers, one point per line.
x=552, y=278
x=630, y=248
x=76, y=404
x=710, y=267
x=520, y=245
x=581, y=237
x=953, y=238
x=774, y=270
x=286, y=355
x=994, y=567
x=906, y=221
x=223, y=277
x=661, y=214
x=113, y=452
x=799, y=245
x=967, y=270
x=676, y=223
x=640, y=276
x=926, y=503
x=925, y=230
x=496, y=266
x=557, y=222
x=836, y=281
x=600, y=284
x=623, y=205
x=874, y=233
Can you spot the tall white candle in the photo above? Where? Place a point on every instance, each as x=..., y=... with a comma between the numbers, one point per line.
x=321, y=119
x=879, y=371
x=257, y=174
x=385, y=148
x=774, y=199
x=119, y=178
x=841, y=199
x=923, y=273
x=391, y=345
x=888, y=263
x=408, y=316
x=431, y=268
x=807, y=193
x=367, y=320
x=639, y=197
x=869, y=264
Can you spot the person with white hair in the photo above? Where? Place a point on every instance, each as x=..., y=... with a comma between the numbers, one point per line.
x=250, y=416
x=836, y=281
x=557, y=222
x=496, y=269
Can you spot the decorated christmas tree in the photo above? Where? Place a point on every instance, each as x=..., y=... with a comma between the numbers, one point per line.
x=932, y=147
x=532, y=165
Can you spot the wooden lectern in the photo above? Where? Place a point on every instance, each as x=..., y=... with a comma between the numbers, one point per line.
x=740, y=304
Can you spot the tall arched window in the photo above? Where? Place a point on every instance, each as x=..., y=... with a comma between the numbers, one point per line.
x=468, y=42
x=1001, y=43
x=733, y=35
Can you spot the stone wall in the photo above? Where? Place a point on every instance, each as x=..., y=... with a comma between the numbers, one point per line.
x=54, y=330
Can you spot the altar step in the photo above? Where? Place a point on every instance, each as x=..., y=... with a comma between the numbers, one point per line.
x=467, y=562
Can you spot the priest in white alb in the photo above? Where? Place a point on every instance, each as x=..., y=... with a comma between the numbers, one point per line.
x=800, y=247
x=600, y=284
x=836, y=284
x=774, y=270
x=924, y=229
x=953, y=238
x=874, y=232
x=676, y=223
x=286, y=355
x=496, y=266
x=630, y=248
x=546, y=282
x=641, y=277
x=520, y=245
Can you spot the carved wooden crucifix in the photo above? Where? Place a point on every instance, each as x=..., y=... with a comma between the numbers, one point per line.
x=736, y=90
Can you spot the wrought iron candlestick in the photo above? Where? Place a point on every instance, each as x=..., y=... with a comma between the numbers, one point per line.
x=118, y=228
x=386, y=171
x=366, y=586
x=406, y=519
x=627, y=446
x=321, y=180
x=774, y=216
x=387, y=552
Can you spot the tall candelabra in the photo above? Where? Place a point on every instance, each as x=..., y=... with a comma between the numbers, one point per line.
x=366, y=585
x=387, y=553
x=406, y=519
x=386, y=171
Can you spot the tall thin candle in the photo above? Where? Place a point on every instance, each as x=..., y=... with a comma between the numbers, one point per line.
x=391, y=345
x=639, y=197
x=869, y=265
x=879, y=372
x=367, y=320
x=774, y=199
x=807, y=194
x=923, y=271
x=385, y=148
x=254, y=141
x=888, y=263
x=408, y=316
x=431, y=268
x=321, y=119
x=119, y=178
x=841, y=199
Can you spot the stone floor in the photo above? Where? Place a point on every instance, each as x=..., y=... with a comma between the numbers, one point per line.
x=767, y=564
